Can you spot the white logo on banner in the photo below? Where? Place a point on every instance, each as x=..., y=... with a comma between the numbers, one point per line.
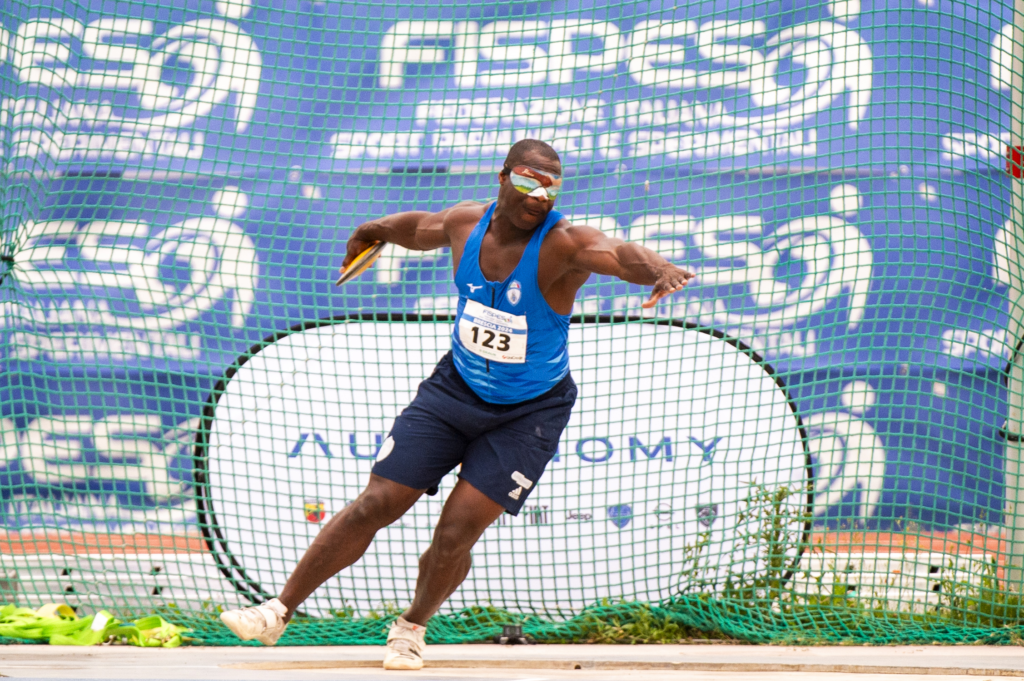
x=834, y=257
x=651, y=476
x=849, y=456
x=986, y=145
x=757, y=113
x=984, y=344
x=1001, y=59
x=130, y=259
x=844, y=10
x=1005, y=260
x=128, y=110
x=129, y=448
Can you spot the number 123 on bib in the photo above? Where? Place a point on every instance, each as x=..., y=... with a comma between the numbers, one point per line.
x=493, y=334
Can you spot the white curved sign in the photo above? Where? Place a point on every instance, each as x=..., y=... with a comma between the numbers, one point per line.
x=657, y=487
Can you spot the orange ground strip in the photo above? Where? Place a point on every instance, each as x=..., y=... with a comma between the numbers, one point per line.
x=955, y=542
x=72, y=543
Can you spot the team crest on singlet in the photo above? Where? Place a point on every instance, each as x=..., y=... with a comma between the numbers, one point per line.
x=514, y=293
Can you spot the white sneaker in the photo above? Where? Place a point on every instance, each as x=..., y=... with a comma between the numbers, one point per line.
x=265, y=623
x=405, y=646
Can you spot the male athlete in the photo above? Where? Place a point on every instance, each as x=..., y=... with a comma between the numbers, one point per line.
x=497, y=403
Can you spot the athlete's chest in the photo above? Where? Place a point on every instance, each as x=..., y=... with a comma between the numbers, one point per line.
x=497, y=260
x=495, y=263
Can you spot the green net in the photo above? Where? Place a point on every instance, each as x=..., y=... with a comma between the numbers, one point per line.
x=817, y=441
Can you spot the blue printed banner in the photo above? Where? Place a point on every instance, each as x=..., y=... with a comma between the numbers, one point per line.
x=255, y=88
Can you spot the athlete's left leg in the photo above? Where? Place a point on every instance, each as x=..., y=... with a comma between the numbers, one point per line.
x=499, y=470
x=466, y=514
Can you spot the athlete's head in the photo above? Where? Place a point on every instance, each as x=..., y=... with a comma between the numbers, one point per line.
x=525, y=196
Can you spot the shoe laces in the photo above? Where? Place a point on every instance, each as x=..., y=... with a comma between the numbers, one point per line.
x=405, y=638
x=260, y=616
x=405, y=646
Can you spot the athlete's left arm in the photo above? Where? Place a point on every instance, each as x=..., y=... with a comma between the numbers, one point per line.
x=595, y=252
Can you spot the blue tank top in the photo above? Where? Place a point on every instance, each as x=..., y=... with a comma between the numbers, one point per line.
x=508, y=344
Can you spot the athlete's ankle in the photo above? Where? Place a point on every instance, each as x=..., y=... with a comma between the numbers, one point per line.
x=281, y=608
x=404, y=622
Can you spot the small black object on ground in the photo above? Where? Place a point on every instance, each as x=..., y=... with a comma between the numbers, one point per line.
x=512, y=634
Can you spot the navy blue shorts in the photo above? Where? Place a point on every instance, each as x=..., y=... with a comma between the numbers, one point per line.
x=503, y=448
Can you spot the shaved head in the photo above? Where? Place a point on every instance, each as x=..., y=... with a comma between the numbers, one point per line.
x=528, y=147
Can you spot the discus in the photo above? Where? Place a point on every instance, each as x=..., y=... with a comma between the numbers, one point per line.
x=362, y=263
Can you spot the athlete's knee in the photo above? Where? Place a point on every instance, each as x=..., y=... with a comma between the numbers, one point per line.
x=452, y=542
x=376, y=508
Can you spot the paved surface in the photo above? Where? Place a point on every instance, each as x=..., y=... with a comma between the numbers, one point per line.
x=520, y=663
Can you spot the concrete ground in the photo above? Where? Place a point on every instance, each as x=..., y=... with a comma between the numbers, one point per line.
x=519, y=663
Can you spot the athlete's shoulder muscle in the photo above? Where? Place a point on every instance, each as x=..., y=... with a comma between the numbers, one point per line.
x=459, y=221
x=433, y=229
x=559, y=276
x=566, y=240
x=461, y=218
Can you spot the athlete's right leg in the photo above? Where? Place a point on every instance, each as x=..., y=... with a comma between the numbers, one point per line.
x=426, y=442
x=342, y=542
x=346, y=537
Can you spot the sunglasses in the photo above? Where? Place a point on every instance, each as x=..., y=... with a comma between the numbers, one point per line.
x=535, y=183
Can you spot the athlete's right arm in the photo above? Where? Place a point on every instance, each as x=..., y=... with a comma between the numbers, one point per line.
x=416, y=230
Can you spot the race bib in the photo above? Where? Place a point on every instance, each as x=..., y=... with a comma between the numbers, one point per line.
x=493, y=334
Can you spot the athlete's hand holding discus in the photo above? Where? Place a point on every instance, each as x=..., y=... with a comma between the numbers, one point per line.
x=496, y=404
